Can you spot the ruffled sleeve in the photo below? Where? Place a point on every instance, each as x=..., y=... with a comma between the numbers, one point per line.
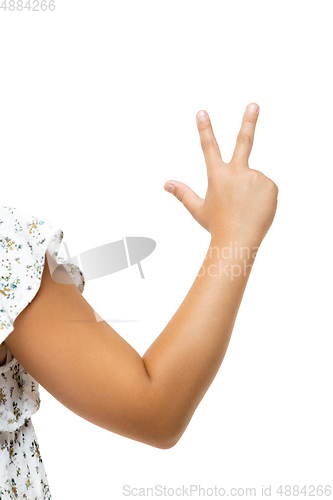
x=24, y=241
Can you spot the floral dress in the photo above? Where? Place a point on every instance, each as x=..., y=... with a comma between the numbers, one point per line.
x=24, y=241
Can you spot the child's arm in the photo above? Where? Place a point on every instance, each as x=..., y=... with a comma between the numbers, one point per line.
x=93, y=371
x=238, y=210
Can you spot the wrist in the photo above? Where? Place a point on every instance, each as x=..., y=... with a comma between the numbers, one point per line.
x=235, y=247
x=229, y=259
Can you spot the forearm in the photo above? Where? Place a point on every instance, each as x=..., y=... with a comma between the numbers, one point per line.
x=185, y=358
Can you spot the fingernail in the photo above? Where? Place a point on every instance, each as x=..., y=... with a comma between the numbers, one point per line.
x=202, y=116
x=253, y=108
x=170, y=188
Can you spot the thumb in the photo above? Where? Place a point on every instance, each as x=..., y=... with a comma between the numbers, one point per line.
x=191, y=201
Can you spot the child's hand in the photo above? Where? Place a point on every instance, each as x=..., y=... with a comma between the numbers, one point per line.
x=240, y=202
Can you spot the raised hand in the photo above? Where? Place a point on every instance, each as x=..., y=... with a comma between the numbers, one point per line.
x=240, y=202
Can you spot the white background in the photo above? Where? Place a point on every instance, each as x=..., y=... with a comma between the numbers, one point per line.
x=97, y=110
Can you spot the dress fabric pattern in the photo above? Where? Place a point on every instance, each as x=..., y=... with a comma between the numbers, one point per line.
x=24, y=241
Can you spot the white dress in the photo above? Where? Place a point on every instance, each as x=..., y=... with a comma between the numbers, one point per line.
x=24, y=241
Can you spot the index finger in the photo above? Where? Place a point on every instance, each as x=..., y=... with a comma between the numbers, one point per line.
x=208, y=141
x=246, y=135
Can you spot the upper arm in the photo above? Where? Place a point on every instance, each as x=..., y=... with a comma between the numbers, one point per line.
x=85, y=364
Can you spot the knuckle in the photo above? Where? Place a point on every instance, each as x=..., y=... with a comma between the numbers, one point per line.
x=180, y=193
x=244, y=138
x=255, y=174
x=251, y=118
x=265, y=182
x=275, y=188
x=271, y=185
x=204, y=125
x=206, y=144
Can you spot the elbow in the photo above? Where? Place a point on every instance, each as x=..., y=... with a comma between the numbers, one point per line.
x=162, y=423
x=167, y=437
x=166, y=443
